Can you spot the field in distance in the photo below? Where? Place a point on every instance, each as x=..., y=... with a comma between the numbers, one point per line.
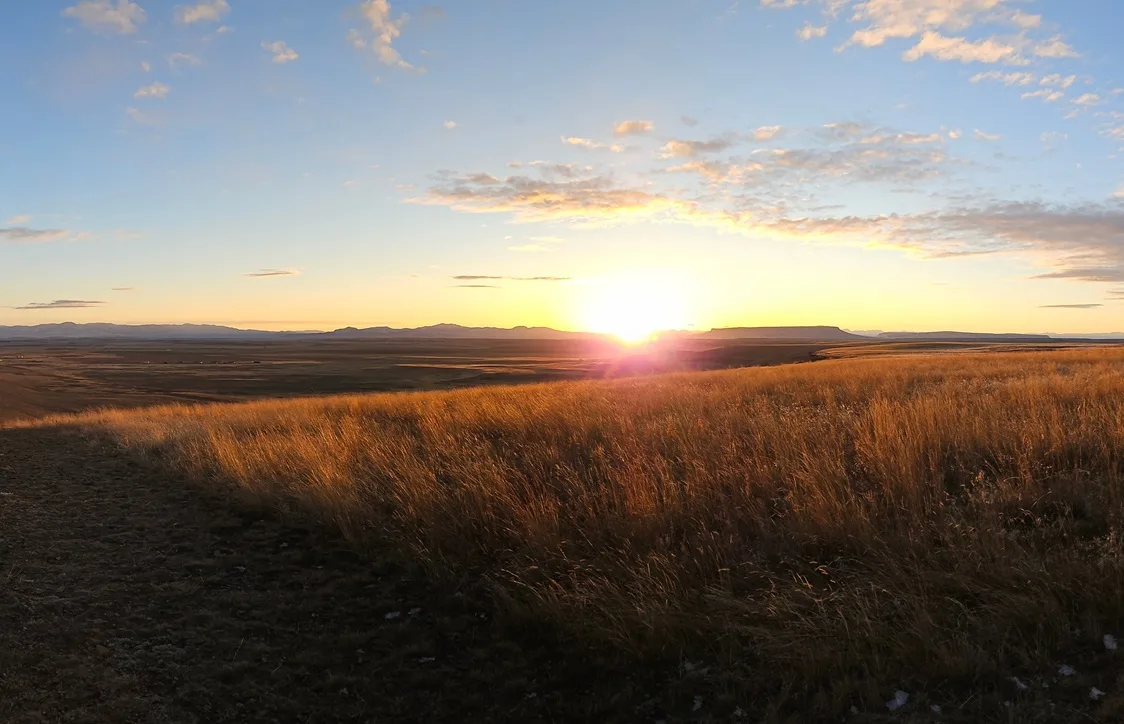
x=802, y=542
x=39, y=378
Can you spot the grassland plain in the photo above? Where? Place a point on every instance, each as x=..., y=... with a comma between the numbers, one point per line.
x=812, y=538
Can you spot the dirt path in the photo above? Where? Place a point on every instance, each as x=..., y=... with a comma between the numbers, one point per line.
x=126, y=596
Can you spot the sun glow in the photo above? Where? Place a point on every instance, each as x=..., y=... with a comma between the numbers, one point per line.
x=636, y=306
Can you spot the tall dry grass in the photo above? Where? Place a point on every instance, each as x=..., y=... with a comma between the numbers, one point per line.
x=831, y=529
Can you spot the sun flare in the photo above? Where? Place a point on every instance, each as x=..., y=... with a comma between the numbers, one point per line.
x=636, y=307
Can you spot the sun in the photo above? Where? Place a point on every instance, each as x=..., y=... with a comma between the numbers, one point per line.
x=636, y=306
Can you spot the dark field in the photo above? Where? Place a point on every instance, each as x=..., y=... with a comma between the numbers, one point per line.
x=776, y=545
x=49, y=378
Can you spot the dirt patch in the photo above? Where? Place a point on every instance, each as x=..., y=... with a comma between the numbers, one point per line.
x=126, y=596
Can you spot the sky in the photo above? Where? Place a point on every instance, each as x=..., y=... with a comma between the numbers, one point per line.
x=605, y=165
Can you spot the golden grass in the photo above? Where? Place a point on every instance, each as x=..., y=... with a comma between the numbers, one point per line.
x=829, y=529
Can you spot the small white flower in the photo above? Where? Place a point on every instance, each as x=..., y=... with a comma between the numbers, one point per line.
x=1018, y=683
x=392, y=615
x=740, y=714
x=698, y=703
x=900, y=699
x=1066, y=670
x=1095, y=693
x=1110, y=642
x=415, y=611
x=935, y=708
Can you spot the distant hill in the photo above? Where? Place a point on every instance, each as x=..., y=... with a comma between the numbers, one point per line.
x=456, y=331
x=71, y=330
x=963, y=337
x=803, y=334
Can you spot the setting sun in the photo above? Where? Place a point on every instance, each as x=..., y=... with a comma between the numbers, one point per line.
x=636, y=306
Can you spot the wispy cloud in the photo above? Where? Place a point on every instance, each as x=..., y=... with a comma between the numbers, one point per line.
x=483, y=277
x=281, y=51
x=1070, y=306
x=983, y=136
x=633, y=128
x=689, y=149
x=123, y=289
x=19, y=220
x=765, y=133
x=476, y=286
x=451, y=125
x=1046, y=94
x=62, y=304
x=383, y=30
x=1016, y=78
x=141, y=118
x=179, y=60
x=207, y=11
x=591, y=144
x=538, y=244
x=809, y=31
x=263, y=273
x=22, y=234
x=106, y=16
x=156, y=90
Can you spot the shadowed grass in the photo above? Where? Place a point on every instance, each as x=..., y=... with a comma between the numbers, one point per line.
x=825, y=531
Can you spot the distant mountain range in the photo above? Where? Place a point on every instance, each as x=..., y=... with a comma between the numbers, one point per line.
x=71, y=330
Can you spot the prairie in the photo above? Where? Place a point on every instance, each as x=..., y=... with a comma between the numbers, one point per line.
x=819, y=536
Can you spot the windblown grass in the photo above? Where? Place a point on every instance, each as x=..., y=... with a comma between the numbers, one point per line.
x=832, y=529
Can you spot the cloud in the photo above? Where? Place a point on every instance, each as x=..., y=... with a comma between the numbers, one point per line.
x=19, y=220
x=947, y=30
x=281, y=51
x=141, y=118
x=1088, y=100
x=156, y=90
x=690, y=149
x=207, y=11
x=22, y=234
x=982, y=136
x=538, y=244
x=450, y=125
x=123, y=289
x=591, y=144
x=1050, y=96
x=1055, y=48
x=122, y=17
x=477, y=277
x=1005, y=78
x=1082, y=242
x=1057, y=80
x=146, y=66
x=265, y=273
x=688, y=121
x=1070, y=306
x=384, y=31
x=810, y=31
x=630, y=128
x=764, y=133
x=590, y=200
x=476, y=286
x=963, y=50
x=177, y=60
x=63, y=304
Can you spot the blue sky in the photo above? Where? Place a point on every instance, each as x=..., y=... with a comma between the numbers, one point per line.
x=875, y=164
